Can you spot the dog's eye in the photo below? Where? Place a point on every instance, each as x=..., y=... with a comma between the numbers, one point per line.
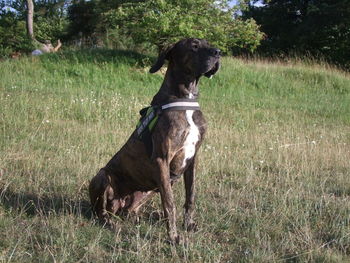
x=195, y=47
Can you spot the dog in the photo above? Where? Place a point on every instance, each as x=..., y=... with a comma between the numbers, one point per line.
x=134, y=175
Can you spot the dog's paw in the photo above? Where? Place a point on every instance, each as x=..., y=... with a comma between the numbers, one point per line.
x=157, y=215
x=109, y=224
x=173, y=241
x=191, y=227
x=154, y=216
x=113, y=227
x=134, y=218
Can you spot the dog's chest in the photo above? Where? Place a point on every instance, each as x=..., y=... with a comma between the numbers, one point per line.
x=191, y=140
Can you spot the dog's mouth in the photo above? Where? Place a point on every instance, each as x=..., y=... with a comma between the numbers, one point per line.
x=211, y=72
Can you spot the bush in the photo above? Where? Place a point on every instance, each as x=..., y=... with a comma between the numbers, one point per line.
x=160, y=22
x=50, y=28
x=13, y=37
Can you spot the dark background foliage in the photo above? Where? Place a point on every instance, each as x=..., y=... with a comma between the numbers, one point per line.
x=274, y=28
x=304, y=27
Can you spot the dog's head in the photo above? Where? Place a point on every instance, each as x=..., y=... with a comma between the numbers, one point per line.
x=194, y=56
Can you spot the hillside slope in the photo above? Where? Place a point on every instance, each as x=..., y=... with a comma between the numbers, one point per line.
x=272, y=181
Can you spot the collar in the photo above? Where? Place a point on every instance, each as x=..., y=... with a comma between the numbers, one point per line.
x=181, y=104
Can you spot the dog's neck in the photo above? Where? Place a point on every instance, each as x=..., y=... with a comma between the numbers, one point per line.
x=176, y=85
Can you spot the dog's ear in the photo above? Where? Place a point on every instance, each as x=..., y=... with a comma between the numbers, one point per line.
x=165, y=54
x=212, y=72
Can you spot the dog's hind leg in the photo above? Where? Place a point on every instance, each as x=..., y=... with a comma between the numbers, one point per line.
x=102, y=198
x=139, y=199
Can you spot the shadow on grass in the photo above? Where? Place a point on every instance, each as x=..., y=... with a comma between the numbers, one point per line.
x=32, y=204
x=98, y=56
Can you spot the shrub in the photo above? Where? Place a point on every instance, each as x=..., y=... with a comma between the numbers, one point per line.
x=160, y=22
x=13, y=35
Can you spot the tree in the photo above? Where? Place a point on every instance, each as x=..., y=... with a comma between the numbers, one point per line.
x=317, y=27
x=159, y=22
x=13, y=37
x=24, y=22
x=45, y=47
x=30, y=15
x=83, y=17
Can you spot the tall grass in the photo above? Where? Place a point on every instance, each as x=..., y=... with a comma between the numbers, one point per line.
x=272, y=181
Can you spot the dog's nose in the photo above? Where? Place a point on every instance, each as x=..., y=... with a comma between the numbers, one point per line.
x=215, y=52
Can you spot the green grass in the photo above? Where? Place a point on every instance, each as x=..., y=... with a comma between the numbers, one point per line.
x=272, y=182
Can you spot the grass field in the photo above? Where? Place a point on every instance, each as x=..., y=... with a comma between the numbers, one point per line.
x=272, y=183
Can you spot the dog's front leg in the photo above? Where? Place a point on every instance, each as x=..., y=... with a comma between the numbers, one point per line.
x=167, y=198
x=189, y=177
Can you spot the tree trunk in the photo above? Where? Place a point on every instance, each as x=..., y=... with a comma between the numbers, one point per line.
x=30, y=14
x=41, y=47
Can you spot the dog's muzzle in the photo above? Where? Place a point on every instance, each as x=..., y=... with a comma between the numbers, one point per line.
x=215, y=52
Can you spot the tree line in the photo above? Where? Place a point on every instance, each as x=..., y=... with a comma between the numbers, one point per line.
x=320, y=28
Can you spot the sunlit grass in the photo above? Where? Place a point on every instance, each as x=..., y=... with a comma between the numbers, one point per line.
x=272, y=180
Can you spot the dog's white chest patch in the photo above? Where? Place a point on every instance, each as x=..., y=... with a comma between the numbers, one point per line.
x=191, y=139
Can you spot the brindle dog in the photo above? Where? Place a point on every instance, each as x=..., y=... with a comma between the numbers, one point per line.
x=131, y=177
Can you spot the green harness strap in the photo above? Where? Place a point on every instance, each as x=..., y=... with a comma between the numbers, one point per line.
x=150, y=116
x=148, y=120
